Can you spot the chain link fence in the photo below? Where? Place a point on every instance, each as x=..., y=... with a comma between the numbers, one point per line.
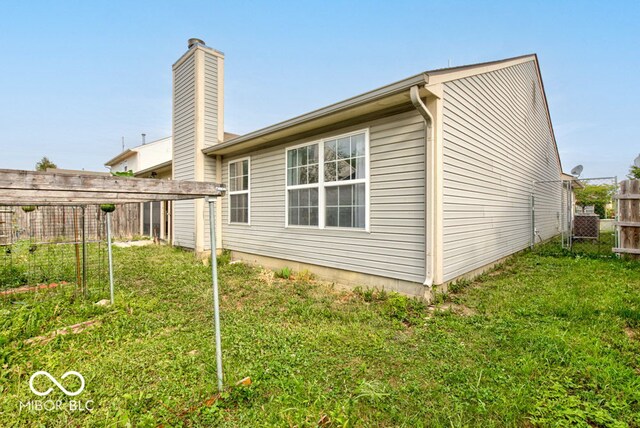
x=576, y=215
x=53, y=246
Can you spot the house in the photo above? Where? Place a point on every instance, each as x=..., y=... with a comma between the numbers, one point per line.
x=408, y=186
x=150, y=160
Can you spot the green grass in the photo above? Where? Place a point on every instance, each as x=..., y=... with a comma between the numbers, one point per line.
x=547, y=340
x=28, y=263
x=592, y=248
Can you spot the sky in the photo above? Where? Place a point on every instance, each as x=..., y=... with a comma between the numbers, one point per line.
x=77, y=76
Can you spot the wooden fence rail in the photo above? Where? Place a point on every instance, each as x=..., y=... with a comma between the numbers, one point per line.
x=629, y=218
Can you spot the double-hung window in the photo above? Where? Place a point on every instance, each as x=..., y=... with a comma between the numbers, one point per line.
x=239, y=188
x=302, y=185
x=327, y=183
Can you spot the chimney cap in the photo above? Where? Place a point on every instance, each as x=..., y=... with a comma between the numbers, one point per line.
x=195, y=41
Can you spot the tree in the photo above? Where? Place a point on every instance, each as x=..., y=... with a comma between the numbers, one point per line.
x=634, y=173
x=45, y=163
x=598, y=195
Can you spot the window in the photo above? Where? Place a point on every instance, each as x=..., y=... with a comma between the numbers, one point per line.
x=327, y=183
x=152, y=219
x=239, y=191
x=302, y=185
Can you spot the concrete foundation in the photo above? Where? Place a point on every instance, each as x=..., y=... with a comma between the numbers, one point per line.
x=339, y=276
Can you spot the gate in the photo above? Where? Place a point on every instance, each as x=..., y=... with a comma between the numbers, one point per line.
x=576, y=215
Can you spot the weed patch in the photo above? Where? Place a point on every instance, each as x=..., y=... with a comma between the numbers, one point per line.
x=284, y=273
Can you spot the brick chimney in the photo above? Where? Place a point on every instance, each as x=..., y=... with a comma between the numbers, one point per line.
x=198, y=114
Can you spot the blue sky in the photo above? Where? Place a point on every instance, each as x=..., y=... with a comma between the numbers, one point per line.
x=76, y=76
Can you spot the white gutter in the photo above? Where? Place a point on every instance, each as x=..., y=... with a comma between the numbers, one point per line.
x=429, y=253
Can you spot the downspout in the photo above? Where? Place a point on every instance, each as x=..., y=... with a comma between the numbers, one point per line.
x=429, y=141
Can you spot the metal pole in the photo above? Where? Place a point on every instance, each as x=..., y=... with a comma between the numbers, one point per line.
x=75, y=228
x=214, y=278
x=110, y=255
x=84, y=253
x=572, y=213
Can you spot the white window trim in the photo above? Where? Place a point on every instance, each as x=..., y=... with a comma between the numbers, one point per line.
x=321, y=184
x=239, y=192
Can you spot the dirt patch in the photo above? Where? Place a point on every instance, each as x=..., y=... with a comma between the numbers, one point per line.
x=72, y=329
x=128, y=244
x=267, y=276
x=631, y=334
x=345, y=298
x=453, y=307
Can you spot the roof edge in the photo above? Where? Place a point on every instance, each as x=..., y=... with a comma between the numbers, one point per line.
x=119, y=157
x=153, y=168
x=370, y=96
x=424, y=78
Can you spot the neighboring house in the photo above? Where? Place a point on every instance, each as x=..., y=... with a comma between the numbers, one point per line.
x=151, y=160
x=411, y=185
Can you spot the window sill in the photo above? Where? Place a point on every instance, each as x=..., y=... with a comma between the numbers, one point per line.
x=339, y=229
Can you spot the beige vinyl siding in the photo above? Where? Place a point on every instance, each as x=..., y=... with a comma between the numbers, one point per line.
x=209, y=177
x=183, y=149
x=211, y=124
x=210, y=100
x=497, y=141
x=394, y=248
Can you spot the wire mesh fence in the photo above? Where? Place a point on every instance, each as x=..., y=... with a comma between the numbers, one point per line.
x=577, y=216
x=53, y=246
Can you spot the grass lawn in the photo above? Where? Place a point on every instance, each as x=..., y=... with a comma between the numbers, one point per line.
x=544, y=340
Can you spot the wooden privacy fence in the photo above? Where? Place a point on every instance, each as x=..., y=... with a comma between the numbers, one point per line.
x=629, y=218
x=52, y=223
x=125, y=220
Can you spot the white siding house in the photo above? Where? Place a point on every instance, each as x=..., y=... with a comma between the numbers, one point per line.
x=154, y=156
x=405, y=187
x=150, y=160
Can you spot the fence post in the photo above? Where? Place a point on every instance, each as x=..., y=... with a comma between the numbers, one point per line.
x=214, y=279
x=616, y=217
x=110, y=256
x=629, y=202
x=84, y=253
